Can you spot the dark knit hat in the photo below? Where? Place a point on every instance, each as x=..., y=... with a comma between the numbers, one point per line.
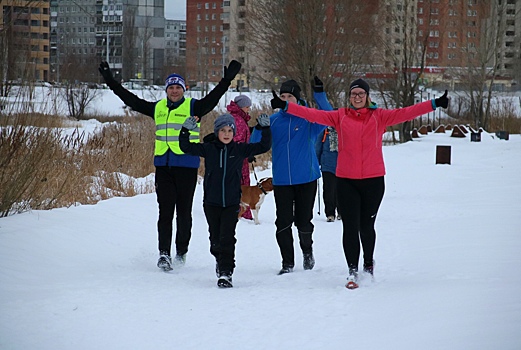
x=359, y=83
x=175, y=79
x=222, y=121
x=242, y=101
x=290, y=86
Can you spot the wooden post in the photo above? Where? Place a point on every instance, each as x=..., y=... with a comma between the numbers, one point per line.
x=443, y=155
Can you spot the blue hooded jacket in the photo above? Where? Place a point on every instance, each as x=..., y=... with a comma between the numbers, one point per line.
x=293, y=149
x=326, y=158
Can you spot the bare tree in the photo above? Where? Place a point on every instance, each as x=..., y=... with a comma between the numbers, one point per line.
x=303, y=38
x=78, y=96
x=406, y=47
x=15, y=46
x=130, y=53
x=482, y=51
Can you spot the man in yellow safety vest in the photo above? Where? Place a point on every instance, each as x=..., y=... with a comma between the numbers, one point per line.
x=176, y=172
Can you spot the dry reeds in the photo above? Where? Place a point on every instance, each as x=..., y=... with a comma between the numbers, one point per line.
x=49, y=162
x=45, y=167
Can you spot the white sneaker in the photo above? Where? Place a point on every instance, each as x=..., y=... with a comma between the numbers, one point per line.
x=180, y=260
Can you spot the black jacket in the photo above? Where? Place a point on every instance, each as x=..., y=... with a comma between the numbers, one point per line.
x=223, y=165
x=199, y=107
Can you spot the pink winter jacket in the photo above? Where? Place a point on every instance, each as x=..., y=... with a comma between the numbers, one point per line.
x=242, y=135
x=360, y=134
x=242, y=131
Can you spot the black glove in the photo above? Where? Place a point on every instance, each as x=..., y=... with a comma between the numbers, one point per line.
x=231, y=71
x=104, y=69
x=276, y=102
x=442, y=101
x=318, y=85
x=252, y=159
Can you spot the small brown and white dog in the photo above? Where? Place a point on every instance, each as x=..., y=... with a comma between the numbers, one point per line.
x=253, y=196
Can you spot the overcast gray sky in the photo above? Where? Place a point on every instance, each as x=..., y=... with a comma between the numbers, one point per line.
x=175, y=9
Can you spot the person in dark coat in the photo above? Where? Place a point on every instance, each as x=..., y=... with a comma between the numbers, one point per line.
x=327, y=153
x=176, y=172
x=223, y=161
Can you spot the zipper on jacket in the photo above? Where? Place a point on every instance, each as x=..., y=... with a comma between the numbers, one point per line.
x=224, y=156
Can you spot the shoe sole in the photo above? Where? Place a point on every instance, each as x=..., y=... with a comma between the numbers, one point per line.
x=351, y=285
x=166, y=268
x=222, y=283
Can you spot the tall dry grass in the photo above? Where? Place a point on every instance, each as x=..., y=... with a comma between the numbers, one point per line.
x=50, y=162
x=43, y=167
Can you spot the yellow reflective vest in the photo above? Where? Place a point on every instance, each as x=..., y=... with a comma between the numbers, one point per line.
x=168, y=126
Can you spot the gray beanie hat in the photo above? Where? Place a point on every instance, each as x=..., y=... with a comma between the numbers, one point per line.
x=242, y=101
x=222, y=121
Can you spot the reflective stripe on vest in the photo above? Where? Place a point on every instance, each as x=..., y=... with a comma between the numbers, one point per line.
x=169, y=124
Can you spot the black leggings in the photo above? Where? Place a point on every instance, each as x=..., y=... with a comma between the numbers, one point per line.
x=358, y=203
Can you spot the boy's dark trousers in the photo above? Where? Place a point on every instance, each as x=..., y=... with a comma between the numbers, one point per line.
x=330, y=193
x=222, y=222
x=175, y=187
x=294, y=204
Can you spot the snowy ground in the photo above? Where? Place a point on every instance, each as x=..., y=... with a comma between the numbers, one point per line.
x=50, y=101
x=447, y=270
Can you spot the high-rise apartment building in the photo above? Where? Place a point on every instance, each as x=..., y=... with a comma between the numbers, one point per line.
x=25, y=38
x=175, y=38
x=129, y=34
x=454, y=33
x=175, y=46
x=207, y=40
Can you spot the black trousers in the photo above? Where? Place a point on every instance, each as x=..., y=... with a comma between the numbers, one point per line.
x=175, y=188
x=222, y=222
x=330, y=193
x=294, y=204
x=358, y=203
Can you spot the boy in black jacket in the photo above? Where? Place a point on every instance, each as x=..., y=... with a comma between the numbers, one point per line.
x=222, y=184
x=176, y=172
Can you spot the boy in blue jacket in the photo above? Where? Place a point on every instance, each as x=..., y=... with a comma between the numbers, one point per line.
x=223, y=160
x=295, y=174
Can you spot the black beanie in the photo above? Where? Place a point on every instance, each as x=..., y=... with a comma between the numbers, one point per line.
x=290, y=86
x=359, y=83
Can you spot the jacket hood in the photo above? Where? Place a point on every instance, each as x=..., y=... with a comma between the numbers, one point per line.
x=234, y=109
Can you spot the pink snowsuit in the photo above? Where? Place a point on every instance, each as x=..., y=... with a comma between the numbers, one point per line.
x=242, y=135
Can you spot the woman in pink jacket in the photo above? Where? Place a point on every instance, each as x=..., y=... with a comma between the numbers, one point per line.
x=360, y=168
x=239, y=109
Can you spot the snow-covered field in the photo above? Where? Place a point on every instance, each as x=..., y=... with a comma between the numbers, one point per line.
x=50, y=100
x=447, y=269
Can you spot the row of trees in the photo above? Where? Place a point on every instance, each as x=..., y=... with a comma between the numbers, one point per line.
x=338, y=40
